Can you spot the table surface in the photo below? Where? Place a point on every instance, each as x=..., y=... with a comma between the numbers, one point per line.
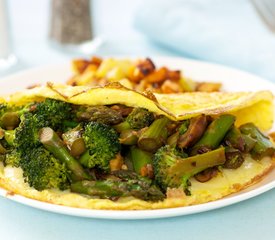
x=251, y=219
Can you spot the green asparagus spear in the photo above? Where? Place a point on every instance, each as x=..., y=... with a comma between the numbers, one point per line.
x=173, y=139
x=128, y=137
x=74, y=141
x=101, y=114
x=140, y=159
x=54, y=144
x=214, y=134
x=114, y=189
x=263, y=146
x=155, y=136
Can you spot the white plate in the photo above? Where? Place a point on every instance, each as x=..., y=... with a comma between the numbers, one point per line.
x=233, y=80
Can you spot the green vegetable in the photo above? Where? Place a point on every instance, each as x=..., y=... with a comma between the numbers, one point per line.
x=74, y=141
x=184, y=126
x=52, y=113
x=12, y=158
x=140, y=158
x=54, y=144
x=173, y=168
x=41, y=169
x=9, y=137
x=10, y=120
x=101, y=114
x=154, y=136
x=137, y=119
x=214, y=134
x=128, y=185
x=102, y=145
x=263, y=146
x=128, y=137
x=173, y=139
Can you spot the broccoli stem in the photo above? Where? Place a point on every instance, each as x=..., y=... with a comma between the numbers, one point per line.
x=214, y=134
x=54, y=144
x=85, y=158
x=263, y=146
x=9, y=137
x=173, y=139
x=185, y=168
x=154, y=136
x=140, y=159
x=71, y=124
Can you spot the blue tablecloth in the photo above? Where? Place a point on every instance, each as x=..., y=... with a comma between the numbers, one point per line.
x=227, y=32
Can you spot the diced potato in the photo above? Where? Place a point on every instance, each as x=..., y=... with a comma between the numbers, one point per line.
x=208, y=87
x=79, y=65
x=187, y=84
x=157, y=76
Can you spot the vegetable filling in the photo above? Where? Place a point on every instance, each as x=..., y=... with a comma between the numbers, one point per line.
x=118, y=151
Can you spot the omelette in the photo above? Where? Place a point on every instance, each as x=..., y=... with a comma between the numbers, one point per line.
x=116, y=149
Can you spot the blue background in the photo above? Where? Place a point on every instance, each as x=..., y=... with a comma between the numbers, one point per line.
x=251, y=219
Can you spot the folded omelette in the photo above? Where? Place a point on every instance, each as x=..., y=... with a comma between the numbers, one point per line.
x=114, y=148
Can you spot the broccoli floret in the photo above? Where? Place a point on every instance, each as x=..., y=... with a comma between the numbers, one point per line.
x=165, y=158
x=137, y=119
x=52, y=113
x=102, y=145
x=13, y=158
x=26, y=135
x=43, y=171
x=173, y=168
